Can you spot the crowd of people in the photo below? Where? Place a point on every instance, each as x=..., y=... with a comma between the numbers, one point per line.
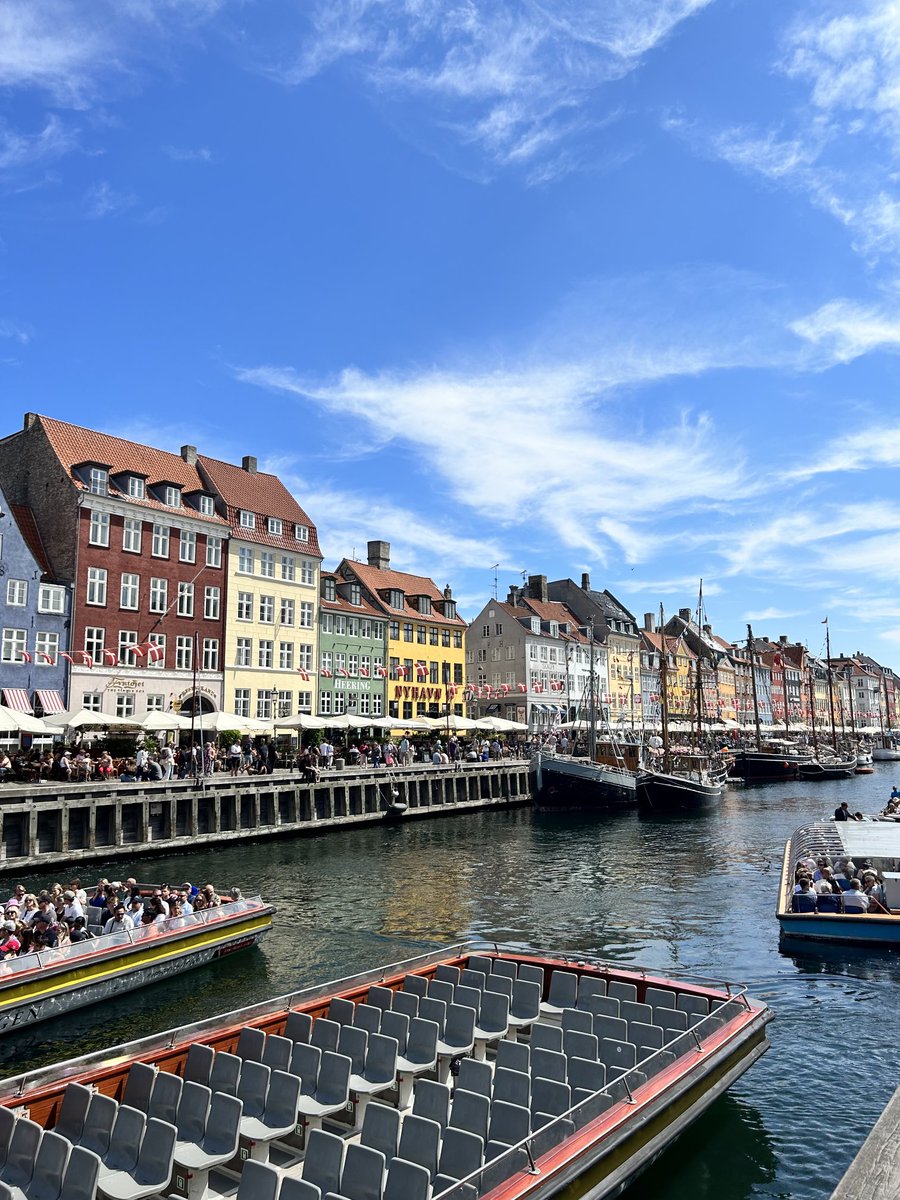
x=58, y=916
x=823, y=886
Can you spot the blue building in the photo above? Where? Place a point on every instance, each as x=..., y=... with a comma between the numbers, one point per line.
x=34, y=618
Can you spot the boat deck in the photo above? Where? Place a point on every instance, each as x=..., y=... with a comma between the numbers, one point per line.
x=484, y=1094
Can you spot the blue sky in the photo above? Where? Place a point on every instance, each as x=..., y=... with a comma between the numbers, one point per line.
x=606, y=286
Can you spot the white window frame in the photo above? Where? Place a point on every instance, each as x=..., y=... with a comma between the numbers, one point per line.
x=243, y=652
x=265, y=654
x=95, y=641
x=210, y=661
x=51, y=598
x=267, y=564
x=137, y=487
x=288, y=567
x=160, y=545
x=306, y=614
x=98, y=481
x=187, y=546
x=213, y=551
x=242, y=702
x=244, y=610
x=132, y=531
x=247, y=519
x=184, y=652
x=128, y=639
x=99, y=530
x=130, y=591
x=301, y=533
x=245, y=560
x=159, y=594
x=286, y=656
x=95, y=594
x=172, y=496
x=13, y=645
x=267, y=610
x=287, y=611
x=185, y=606
x=17, y=593
x=206, y=505
x=274, y=526
x=212, y=603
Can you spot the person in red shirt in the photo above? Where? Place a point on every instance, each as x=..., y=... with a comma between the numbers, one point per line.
x=9, y=943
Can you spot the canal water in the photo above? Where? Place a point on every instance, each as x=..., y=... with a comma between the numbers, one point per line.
x=693, y=894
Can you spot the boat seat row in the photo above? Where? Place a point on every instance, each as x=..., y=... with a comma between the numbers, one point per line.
x=405, y=1181
x=36, y=1164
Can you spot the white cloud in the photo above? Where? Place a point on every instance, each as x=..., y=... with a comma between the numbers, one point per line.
x=14, y=331
x=771, y=614
x=201, y=154
x=843, y=330
x=102, y=200
x=22, y=149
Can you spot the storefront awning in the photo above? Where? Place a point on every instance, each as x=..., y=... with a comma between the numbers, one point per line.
x=17, y=699
x=50, y=702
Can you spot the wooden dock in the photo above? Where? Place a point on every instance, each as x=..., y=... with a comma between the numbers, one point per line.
x=876, y=1169
x=61, y=824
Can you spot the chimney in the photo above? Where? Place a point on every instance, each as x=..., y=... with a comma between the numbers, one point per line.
x=448, y=592
x=189, y=454
x=648, y=623
x=782, y=641
x=30, y=420
x=513, y=597
x=685, y=615
x=248, y=463
x=707, y=629
x=380, y=555
x=537, y=588
x=585, y=581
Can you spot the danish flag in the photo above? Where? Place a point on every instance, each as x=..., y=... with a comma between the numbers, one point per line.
x=402, y=672
x=325, y=673
x=110, y=657
x=304, y=675
x=381, y=671
x=523, y=687
x=155, y=653
x=48, y=658
x=364, y=672
x=421, y=670
x=342, y=672
x=67, y=657
x=25, y=656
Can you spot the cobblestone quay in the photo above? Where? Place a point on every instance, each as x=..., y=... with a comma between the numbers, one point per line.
x=45, y=826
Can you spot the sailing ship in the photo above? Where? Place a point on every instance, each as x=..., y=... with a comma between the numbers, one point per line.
x=760, y=764
x=829, y=764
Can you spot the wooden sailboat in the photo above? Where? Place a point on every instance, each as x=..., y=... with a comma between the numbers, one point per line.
x=829, y=765
x=760, y=765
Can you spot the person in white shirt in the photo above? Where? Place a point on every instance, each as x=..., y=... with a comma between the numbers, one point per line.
x=72, y=909
x=326, y=753
x=855, y=899
x=119, y=922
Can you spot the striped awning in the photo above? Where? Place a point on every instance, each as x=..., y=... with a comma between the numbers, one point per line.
x=50, y=702
x=17, y=699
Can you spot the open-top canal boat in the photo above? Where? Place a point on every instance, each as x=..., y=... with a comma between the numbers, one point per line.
x=459, y=1073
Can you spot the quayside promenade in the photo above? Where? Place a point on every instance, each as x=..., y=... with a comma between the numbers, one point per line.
x=78, y=822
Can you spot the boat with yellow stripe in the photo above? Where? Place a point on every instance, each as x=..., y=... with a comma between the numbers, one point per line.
x=47, y=983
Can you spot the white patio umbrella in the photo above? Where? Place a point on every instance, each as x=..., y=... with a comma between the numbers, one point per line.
x=84, y=718
x=452, y=722
x=302, y=721
x=164, y=721
x=24, y=722
x=221, y=722
x=500, y=725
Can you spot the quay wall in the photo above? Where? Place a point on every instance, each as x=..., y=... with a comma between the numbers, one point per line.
x=74, y=823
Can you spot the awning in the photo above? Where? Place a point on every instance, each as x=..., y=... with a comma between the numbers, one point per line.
x=17, y=699
x=50, y=702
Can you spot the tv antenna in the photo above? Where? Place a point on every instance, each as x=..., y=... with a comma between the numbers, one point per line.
x=496, y=569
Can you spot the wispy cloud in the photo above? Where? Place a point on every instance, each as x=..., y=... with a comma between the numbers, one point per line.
x=771, y=614
x=19, y=149
x=843, y=330
x=200, y=154
x=15, y=331
x=102, y=200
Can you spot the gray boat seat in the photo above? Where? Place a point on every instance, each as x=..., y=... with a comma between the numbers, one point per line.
x=646, y=1037
x=433, y=1010
x=341, y=1010
x=619, y=1056
x=562, y=994
x=252, y=1088
x=549, y=1097
x=659, y=997
x=218, y=1145
x=531, y=973
x=395, y=1025
x=251, y=1044
x=298, y=1026
x=673, y=1020
x=298, y=1189
x=363, y=1175
x=576, y=1020
x=125, y=1140
x=70, y=1122
x=630, y=1010
x=279, y=1118
x=580, y=1045
x=548, y=1064
x=589, y=985
x=448, y=973
x=420, y=1056
x=192, y=1114
x=602, y=1006
x=458, y=1037
x=610, y=1027
x=21, y=1153
x=379, y=1071
x=324, y=1161
x=476, y=1076
x=470, y=997
x=7, y=1124
x=277, y=1052
x=514, y=1055
x=380, y=997
x=198, y=1063
x=692, y=1005
x=546, y=1037
x=258, y=1181
x=82, y=1175
x=405, y=1181
x=419, y=1142
x=525, y=1007
x=514, y=1087
x=470, y=1111
x=501, y=1163
x=98, y=1124
x=332, y=1089
x=492, y=1023
x=381, y=1128
x=165, y=1096
x=440, y=989
x=475, y=979
x=306, y=1062
x=621, y=990
x=480, y=962
x=432, y=1100
x=152, y=1171
x=406, y=1002
x=509, y=1124
x=225, y=1073
x=139, y=1086
x=502, y=966
x=325, y=1034
x=354, y=1042
x=550, y=1134
x=417, y=984
x=462, y=1152
x=658, y=1062
x=49, y=1168
x=367, y=1017
x=501, y=984
x=586, y=1075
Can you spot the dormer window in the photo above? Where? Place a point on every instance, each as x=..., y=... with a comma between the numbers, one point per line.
x=554, y=629
x=172, y=496
x=535, y=625
x=301, y=533
x=274, y=526
x=247, y=519
x=206, y=505
x=450, y=609
x=136, y=487
x=395, y=598
x=330, y=590
x=425, y=604
x=98, y=481
x=355, y=594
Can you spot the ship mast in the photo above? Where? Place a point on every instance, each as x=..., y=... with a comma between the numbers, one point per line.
x=812, y=710
x=750, y=649
x=830, y=684
x=663, y=685
x=592, y=707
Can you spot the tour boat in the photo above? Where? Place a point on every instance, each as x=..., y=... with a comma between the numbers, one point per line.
x=874, y=844
x=694, y=781
x=346, y=1087
x=828, y=768
x=563, y=782
x=766, y=766
x=44, y=984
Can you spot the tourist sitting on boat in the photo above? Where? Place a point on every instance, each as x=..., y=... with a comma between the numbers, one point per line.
x=119, y=922
x=842, y=812
x=71, y=909
x=210, y=895
x=44, y=933
x=9, y=942
x=804, y=898
x=825, y=884
x=135, y=909
x=874, y=889
x=855, y=899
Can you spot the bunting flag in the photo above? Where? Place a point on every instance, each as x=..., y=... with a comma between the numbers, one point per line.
x=304, y=675
x=504, y=688
x=25, y=656
x=402, y=672
x=364, y=672
x=67, y=657
x=421, y=670
x=136, y=650
x=381, y=672
x=155, y=653
x=85, y=658
x=523, y=687
x=325, y=673
x=48, y=658
x=344, y=674
x=110, y=657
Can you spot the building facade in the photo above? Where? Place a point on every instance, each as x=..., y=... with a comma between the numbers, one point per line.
x=352, y=650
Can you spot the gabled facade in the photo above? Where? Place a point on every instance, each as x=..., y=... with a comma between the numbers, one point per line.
x=352, y=650
x=34, y=617
x=860, y=693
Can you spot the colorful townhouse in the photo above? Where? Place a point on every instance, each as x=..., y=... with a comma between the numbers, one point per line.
x=272, y=591
x=352, y=650
x=34, y=617
x=425, y=652
x=133, y=532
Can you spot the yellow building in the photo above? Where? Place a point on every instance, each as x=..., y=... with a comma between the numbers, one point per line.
x=271, y=593
x=425, y=651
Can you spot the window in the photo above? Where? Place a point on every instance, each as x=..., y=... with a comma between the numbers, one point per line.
x=457, y=639
x=395, y=598
x=450, y=609
x=407, y=631
x=158, y=661
x=378, y=630
x=265, y=653
x=211, y=603
x=376, y=705
x=286, y=656
x=213, y=551
x=327, y=623
x=125, y=705
x=184, y=652
x=365, y=628
x=187, y=546
x=206, y=505
x=172, y=496
x=325, y=703
x=365, y=665
x=99, y=535
x=94, y=641
x=96, y=585
x=285, y=704
x=433, y=673
x=160, y=548
x=91, y=701
x=510, y=652
x=156, y=703
x=267, y=564
x=355, y=593
x=304, y=701
x=425, y=605
x=433, y=636
x=301, y=533
x=267, y=610
x=421, y=635
x=554, y=629
x=308, y=571
x=287, y=612
x=16, y=592
x=244, y=652
x=242, y=702
x=210, y=654
x=353, y=664
x=340, y=703
x=288, y=567
x=245, y=606
x=457, y=673
x=340, y=624
x=394, y=627
x=247, y=519
x=185, y=599
x=129, y=591
x=340, y=661
x=136, y=487
x=13, y=645
x=306, y=614
x=131, y=535
x=98, y=481
x=51, y=599
x=353, y=626
x=245, y=560
x=127, y=641
x=325, y=660
x=445, y=637
x=482, y=654
x=159, y=595
x=273, y=525
x=498, y=629
x=377, y=664
x=306, y=650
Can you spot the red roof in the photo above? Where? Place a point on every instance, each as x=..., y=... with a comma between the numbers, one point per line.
x=265, y=496
x=378, y=581
x=674, y=645
x=549, y=610
x=341, y=604
x=24, y=518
